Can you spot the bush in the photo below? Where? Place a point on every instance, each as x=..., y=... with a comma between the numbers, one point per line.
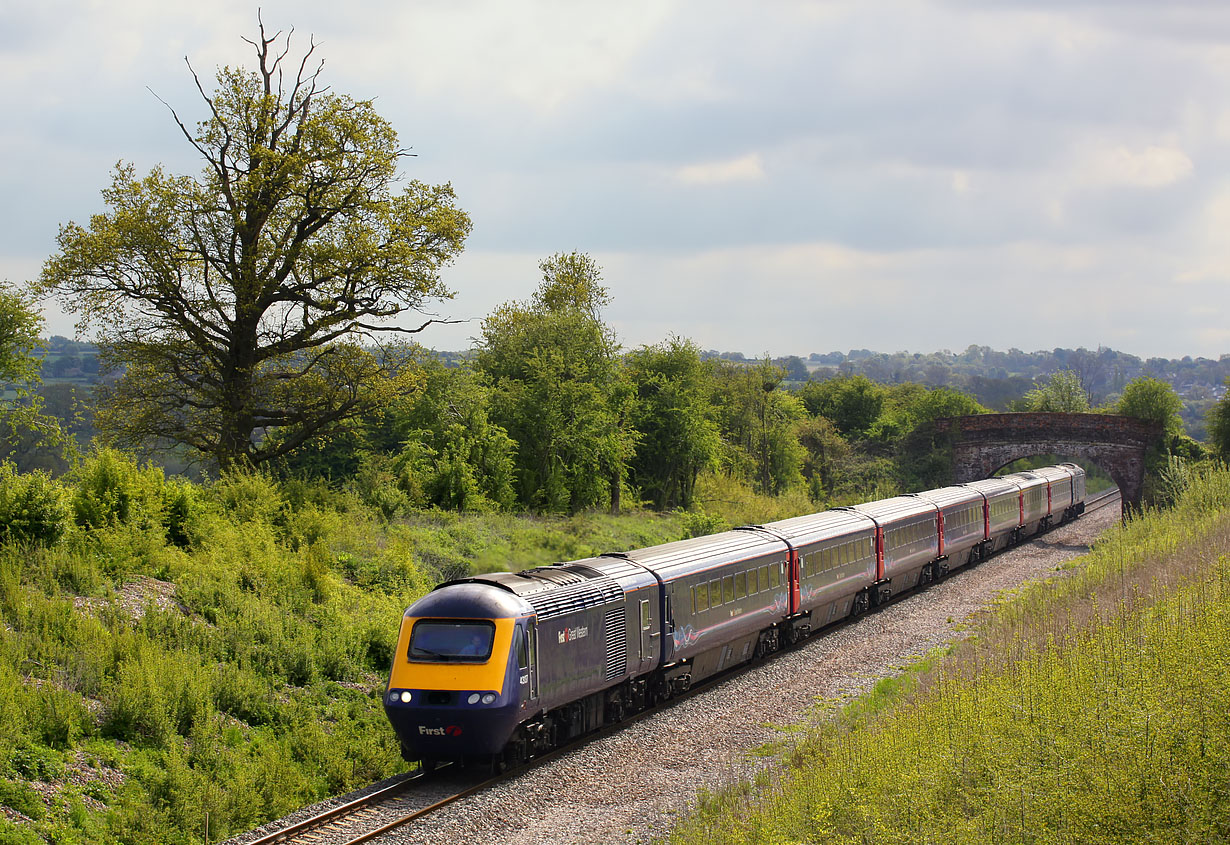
x=112, y=490
x=23, y=799
x=32, y=507
x=34, y=762
x=248, y=496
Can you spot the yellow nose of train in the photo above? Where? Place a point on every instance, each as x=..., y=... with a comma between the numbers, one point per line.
x=454, y=688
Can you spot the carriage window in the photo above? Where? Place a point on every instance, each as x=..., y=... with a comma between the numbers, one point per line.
x=645, y=615
x=764, y=578
x=701, y=597
x=752, y=587
x=728, y=588
x=715, y=593
x=775, y=575
x=741, y=585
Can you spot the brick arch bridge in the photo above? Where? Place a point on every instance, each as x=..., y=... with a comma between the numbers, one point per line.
x=984, y=443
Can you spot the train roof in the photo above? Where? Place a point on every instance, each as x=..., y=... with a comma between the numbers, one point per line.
x=1055, y=473
x=800, y=530
x=1026, y=479
x=947, y=497
x=896, y=508
x=672, y=560
x=470, y=598
x=993, y=486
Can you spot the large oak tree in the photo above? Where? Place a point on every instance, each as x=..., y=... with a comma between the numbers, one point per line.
x=248, y=299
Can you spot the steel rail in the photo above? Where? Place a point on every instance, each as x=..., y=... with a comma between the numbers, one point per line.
x=340, y=811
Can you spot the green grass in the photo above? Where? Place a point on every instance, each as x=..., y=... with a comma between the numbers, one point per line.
x=1093, y=708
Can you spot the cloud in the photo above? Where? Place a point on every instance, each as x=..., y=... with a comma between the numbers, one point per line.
x=789, y=176
x=1152, y=167
x=748, y=168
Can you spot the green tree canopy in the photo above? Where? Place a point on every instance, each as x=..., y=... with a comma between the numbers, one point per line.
x=239, y=301
x=559, y=391
x=20, y=373
x=1063, y=393
x=852, y=403
x=673, y=415
x=1152, y=400
x=1219, y=425
x=758, y=422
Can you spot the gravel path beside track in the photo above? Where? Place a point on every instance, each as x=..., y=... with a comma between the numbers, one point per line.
x=630, y=786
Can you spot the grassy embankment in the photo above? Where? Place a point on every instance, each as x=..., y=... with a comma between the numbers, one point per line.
x=172, y=652
x=1092, y=708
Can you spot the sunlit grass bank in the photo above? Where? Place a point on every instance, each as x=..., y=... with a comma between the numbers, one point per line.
x=1093, y=708
x=174, y=656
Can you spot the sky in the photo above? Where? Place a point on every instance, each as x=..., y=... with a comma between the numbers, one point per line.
x=773, y=178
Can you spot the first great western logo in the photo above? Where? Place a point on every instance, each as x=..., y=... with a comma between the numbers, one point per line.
x=568, y=635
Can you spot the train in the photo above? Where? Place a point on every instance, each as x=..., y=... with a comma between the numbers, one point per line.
x=502, y=667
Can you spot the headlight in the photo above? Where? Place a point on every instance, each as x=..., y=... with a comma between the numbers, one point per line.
x=405, y=696
x=393, y=697
x=488, y=698
x=473, y=699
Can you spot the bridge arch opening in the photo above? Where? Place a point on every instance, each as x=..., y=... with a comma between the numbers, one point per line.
x=1097, y=478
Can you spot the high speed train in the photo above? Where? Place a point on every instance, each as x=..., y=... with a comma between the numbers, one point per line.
x=501, y=667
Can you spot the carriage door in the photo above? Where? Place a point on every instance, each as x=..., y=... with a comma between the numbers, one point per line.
x=527, y=659
x=646, y=626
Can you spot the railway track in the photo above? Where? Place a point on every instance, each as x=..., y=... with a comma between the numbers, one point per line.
x=364, y=818
x=411, y=797
x=1103, y=500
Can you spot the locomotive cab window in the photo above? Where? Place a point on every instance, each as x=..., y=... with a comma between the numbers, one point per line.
x=523, y=655
x=452, y=641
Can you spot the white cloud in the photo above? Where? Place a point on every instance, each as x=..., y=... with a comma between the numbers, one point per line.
x=746, y=168
x=1152, y=167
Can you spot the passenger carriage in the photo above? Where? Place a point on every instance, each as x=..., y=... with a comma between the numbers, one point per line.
x=836, y=562
x=723, y=595
x=962, y=525
x=907, y=536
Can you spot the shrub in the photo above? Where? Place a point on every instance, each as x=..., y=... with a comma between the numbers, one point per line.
x=23, y=799
x=247, y=496
x=112, y=490
x=35, y=762
x=700, y=524
x=179, y=504
x=32, y=507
